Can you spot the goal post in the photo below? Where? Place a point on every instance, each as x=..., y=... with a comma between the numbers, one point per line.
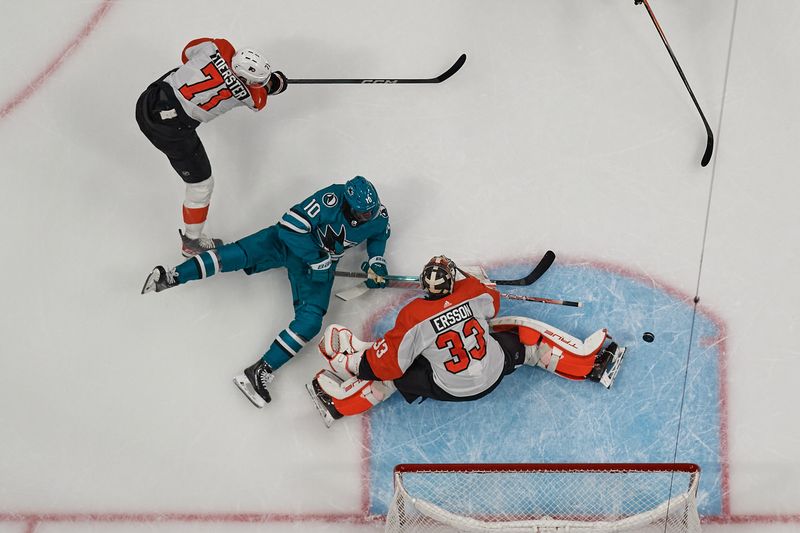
x=545, y=498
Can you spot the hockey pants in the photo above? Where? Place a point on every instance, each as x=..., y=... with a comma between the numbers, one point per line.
x=262, y=251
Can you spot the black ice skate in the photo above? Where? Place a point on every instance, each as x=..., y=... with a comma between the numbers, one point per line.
x=160, y=279
x=323, y=402
x=607, y=365
x=192, y=247
x=253, y=383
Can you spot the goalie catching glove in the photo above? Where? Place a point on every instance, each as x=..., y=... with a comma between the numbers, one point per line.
x=343, y=350
x=376, y=272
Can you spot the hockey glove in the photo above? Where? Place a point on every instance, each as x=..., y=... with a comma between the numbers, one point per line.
x=376, y=272
x=343, y=350
x=277, y=83
x=321, y=271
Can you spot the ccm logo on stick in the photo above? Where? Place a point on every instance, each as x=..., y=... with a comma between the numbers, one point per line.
x=379, y=81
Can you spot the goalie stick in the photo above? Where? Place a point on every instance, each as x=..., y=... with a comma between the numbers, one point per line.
x=438, y=79
x=412, y=282
x=709, y=133
x=541, y=267
x=356, y=291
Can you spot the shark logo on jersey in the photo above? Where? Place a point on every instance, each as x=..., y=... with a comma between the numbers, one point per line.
x=335, y=243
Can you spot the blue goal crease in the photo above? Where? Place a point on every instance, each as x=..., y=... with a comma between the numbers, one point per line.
x=535, y=417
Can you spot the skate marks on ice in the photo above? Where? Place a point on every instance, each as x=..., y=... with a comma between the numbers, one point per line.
x=534, y=416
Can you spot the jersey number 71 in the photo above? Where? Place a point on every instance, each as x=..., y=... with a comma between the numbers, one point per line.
x=212, y=81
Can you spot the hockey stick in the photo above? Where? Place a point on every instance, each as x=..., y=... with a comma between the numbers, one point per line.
x=540, y=300
x=544, y=263
x=537, y=272
x=413, y=281
x=354, y=292
x=438, y=79
x=710, y=141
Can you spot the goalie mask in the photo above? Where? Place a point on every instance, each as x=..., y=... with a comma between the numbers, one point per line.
x=438, y=277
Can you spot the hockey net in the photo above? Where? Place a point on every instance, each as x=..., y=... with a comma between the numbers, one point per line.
x=545, y=498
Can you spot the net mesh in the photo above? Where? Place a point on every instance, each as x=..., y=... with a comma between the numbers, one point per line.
x=622, y=498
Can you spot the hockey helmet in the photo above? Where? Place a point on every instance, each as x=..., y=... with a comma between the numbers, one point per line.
x=438, y=277
x=251, y=67
x=362, y=199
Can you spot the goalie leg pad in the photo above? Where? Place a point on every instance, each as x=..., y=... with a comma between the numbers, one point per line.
x=552, y=349
x=353, y=396
x=553, y=336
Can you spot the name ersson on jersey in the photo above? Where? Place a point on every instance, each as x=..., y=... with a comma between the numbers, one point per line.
x=451, y=317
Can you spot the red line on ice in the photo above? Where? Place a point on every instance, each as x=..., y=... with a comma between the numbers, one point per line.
x=32, y=87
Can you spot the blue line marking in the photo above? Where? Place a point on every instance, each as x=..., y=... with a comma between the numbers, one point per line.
x=534, y=416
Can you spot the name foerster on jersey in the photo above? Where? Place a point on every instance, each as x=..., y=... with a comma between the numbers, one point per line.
x=450, y=318
x=234, y=84
x=335, y=243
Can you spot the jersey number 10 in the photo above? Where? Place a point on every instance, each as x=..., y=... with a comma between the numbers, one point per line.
x=454, y=341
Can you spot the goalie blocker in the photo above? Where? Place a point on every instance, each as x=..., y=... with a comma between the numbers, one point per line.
x=436, y=338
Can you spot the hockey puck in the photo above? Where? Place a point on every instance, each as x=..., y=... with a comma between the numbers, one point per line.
x=648, y=337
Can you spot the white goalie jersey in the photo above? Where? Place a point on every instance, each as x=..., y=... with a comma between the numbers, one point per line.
x=206, y=85
x=452, y=333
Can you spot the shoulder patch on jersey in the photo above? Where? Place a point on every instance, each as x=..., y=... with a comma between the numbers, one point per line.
x=383, y=211
x=330, y=199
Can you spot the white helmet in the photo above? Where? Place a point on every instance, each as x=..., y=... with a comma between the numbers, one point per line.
x=251, y=67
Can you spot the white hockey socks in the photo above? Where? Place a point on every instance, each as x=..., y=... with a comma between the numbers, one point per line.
x=195, y=206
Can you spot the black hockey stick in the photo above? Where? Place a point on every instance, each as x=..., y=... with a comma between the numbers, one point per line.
x=544, y=263
x=710, y=141
x=438, y=79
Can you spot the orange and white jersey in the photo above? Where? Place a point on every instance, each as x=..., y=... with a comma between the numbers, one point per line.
x=452, y=333
x=206, y=85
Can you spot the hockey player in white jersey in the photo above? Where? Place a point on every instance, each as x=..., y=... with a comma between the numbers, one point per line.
x=213, y=79
x=447, y=346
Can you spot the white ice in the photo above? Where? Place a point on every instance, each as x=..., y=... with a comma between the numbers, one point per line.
x=568, y=128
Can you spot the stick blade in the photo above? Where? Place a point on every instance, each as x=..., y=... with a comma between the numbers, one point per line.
x=353, y=292
x=452, y=70
x=544, y=263
x=709, y=148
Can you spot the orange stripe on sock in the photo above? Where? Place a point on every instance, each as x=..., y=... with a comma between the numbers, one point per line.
x=195, y=216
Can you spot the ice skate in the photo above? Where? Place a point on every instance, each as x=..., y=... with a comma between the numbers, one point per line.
x=607, y=365
x=192, y=247
x=160, y=279
x=253, y=383
x=323, y=402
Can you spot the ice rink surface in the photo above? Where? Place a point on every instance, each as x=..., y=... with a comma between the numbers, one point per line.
x=568, y=128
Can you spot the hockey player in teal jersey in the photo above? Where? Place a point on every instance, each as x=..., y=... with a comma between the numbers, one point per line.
x=308, y=240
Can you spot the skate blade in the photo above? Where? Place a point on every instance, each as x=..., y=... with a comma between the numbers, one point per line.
x=327, y=419
x=247, y=389
x=609, y=375
x=150, y=282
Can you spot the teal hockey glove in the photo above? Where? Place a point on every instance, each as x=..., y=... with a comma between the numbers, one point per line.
x=376, y=272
